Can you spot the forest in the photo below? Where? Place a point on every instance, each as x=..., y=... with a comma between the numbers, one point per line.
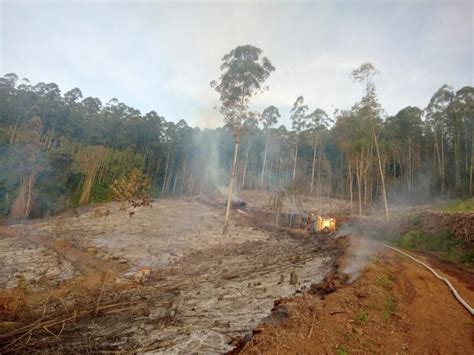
x=62, y=150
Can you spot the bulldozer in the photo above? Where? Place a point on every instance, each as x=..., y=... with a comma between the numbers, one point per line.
x=321, y=224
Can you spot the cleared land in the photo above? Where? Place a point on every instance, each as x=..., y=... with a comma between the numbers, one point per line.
x=68, y=283
x=205, y=289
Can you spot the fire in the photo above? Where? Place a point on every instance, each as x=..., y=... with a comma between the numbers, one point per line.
x=326, y=224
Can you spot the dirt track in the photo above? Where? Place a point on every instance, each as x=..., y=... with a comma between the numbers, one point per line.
x=395, y=306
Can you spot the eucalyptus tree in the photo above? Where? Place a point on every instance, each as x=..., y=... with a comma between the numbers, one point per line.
x=460, y=126
x=318, y=121
x=436, y=116
x=370, y=107
x=404, y=136
x=269, y=118
x=298, y=121
x=243, y=73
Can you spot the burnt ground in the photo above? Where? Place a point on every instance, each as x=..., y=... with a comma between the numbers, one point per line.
x=68, y=283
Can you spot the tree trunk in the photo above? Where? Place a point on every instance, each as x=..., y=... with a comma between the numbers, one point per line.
x=183, y=180
x=270, y=173
x=244, y=173
x=296, y=158
x=264, y=159
x=471, y=166
x=457, y=159
x=28, y=201
x=314, y=162
x=166, y=174
x=443, y=178
x=359, y=184
x=319, y=179
x=350, y=184
x=382, y=178
x=231, y=185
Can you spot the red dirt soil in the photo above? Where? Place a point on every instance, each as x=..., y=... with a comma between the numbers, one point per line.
x=395, y=306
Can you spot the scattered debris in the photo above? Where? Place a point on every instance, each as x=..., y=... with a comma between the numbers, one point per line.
x=142, y=275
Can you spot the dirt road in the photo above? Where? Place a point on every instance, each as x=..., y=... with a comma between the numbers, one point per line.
x=395, y=306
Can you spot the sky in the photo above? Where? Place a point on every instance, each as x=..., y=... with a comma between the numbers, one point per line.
x=158, y=55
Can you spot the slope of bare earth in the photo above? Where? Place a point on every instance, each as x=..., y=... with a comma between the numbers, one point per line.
x=205, y=289
x=395, y=306
x=35, y=264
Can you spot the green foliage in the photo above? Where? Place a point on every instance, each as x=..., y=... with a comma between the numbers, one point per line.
x=341, y=351
x=100, y=193
x=443, y=244
x=440, y=242
x=384, y=282
x=49, y=136
x=389, y=307
x=464, y=205
x=362, y=316
x=416, y=220
x=244, y=70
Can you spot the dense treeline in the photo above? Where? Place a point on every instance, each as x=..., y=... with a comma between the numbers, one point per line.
x=63, y=150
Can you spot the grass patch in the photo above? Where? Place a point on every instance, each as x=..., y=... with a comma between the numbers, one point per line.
x=375, y=260
x=464, y=205
x=416, y=220
x=384, y=282
x=443, y=244
x=362, y=316
x=440, y=242
x=341, y=351
x=389, y=307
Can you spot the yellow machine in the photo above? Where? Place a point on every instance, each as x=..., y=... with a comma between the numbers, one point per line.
x=325, y=224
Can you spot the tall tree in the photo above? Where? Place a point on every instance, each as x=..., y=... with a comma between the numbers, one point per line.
x=244, y=70
x=299, y=120
x=436, y=116
x=371, y=108
x=318, y=121
x=460, y=129
x=269, y=118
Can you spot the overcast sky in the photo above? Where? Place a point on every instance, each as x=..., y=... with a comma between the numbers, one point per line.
x=162, y=55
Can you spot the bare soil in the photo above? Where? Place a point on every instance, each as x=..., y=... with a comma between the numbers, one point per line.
x=395, y=306
x=206, y=291
x=67, y=284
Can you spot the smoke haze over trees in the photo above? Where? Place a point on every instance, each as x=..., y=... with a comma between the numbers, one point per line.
x=60, y=150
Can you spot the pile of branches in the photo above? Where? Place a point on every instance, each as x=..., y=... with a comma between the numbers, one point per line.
x=461, y=225
x=57, y=317
x=144, y=201
x=129, y=188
